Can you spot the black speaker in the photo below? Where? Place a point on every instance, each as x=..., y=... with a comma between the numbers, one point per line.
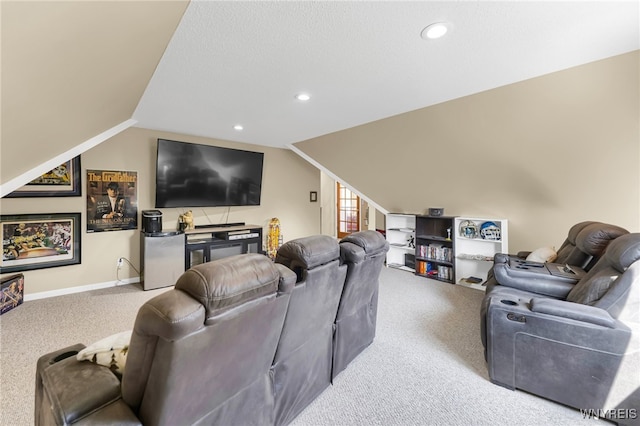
x=410, y=260
x=151, y=221
x=436, y=211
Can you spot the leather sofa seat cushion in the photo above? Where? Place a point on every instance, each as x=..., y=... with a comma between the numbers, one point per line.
x=589, y=295
x=230, y=282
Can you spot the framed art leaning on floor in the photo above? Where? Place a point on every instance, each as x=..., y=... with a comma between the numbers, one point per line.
x=36, y=241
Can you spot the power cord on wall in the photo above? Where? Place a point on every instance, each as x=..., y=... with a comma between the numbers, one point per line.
x=206, y=215
x=222, y=218
x=120, y=263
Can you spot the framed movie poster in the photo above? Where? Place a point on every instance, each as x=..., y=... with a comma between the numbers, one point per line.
x=36, y=241
x=63, y=181
x=112, y=200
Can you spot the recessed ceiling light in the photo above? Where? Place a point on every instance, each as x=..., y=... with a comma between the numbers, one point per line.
x=303, y=97
x=238, y=127
x=435, y=30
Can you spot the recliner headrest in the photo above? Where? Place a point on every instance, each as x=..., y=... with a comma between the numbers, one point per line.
x=308, y=252
x=594, y=238
x=624, y=251
x=229, y=282
x=575, y=230
x=371, y=241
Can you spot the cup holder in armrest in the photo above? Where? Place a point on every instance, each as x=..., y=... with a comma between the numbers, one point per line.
x=64, y=355
x=509, y=302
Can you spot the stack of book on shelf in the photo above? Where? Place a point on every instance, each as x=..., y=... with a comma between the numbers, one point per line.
x=444, y=272
x=436, y=252
x=423, y=268
x=439, y=271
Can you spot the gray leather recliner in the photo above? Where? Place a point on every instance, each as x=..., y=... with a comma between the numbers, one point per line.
x=301, y=369
x=583, y=351
x=364, y=254
x=199, y=353
x=585, y=244
x=566, y=252
x=238, y=341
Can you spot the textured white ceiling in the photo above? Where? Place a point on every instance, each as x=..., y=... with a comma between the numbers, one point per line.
x=235, y=62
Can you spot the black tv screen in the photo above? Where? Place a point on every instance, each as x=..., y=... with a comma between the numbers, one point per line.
x=195, y=175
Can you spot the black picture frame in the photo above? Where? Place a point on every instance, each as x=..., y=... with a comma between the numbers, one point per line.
x=38, y=241
x=313, y=196
x=40, y=188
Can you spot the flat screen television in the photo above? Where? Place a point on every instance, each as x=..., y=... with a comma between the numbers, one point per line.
x=195, y=175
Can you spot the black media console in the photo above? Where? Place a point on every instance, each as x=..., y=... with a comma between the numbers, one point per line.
x=210, y=242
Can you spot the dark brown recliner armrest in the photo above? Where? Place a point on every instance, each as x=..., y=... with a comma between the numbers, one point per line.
x=69, y=391
x=43, y=362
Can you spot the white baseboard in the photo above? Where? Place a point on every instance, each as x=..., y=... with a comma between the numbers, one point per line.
x=80, y=289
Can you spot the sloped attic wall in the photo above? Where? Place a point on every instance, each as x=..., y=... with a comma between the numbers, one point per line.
x=544, y=153
x=72, y=70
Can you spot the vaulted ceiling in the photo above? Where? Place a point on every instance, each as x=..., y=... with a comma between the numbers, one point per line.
x=72, y=70
x=243, y=62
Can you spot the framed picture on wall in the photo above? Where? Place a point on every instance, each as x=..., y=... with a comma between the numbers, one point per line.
x=63, y=181
x=112, y=200
x=36, y=241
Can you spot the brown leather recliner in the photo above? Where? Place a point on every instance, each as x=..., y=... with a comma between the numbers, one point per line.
x=199, y=353
x=239, y=341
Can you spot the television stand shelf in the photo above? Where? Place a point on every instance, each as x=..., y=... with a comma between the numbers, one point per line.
x=207, y=244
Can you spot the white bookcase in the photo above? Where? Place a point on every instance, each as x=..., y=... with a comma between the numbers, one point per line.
x=400, y=230
x=474, y=254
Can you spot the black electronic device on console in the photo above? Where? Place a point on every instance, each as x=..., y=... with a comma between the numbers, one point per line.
x=220, y=225
x=241, y=234
x=151, y=221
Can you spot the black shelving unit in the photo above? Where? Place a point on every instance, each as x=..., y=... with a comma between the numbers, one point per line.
x=435, y=249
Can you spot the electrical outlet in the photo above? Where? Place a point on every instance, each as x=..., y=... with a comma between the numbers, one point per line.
x=119, y=263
